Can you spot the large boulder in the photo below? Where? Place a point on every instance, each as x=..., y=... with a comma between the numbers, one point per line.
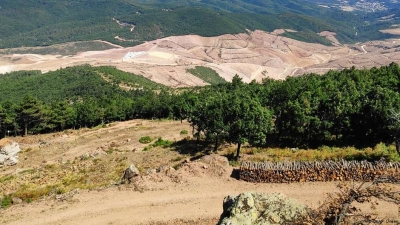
x=261, y=209
x=8, y=152
x=130, y=173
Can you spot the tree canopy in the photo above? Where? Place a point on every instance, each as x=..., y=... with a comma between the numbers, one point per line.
x=352, y=107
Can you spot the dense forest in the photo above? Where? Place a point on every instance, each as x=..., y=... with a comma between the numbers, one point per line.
x=66, y=20
x=351, y=107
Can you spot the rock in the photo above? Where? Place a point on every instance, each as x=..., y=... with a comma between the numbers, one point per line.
x=261, y=209
x=43, y=143
x=128, y=140
x=151, y=171
x=8, y=152
x=16, y=200
x=130, y=173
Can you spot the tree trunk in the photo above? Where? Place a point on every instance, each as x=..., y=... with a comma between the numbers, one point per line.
x=25, y=128
x=216, y=144
x=397, y=141
x=238, y=150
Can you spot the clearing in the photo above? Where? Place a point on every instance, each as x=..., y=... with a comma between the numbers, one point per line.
x=192, y=194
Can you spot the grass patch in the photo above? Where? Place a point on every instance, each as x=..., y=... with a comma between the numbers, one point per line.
x=159, y=143
x=5, y=201
x=145, y=139
x=324, y=153
x=6, y=178
x=162, y=143
x=110, y=151
x=29, y=193
x=207, y=74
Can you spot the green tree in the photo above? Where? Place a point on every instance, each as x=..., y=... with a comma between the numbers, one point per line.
x=2, y=118
x=9, y=122
x=63, y=116
x=29, y=112
x=246, y=120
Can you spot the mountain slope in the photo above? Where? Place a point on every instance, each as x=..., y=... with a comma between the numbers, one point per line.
x=128, y=22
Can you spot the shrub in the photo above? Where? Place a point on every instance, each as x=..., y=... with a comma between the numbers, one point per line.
x=162, y=143
x=5, y=202
x=145, y=140
x=184, y=132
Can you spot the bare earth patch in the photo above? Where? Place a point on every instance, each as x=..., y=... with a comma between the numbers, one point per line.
x=395, y=31
x=254, y=55
x=192, y=194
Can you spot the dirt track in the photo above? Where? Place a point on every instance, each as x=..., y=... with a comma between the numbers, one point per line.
x=191, y=195
x=199, y=199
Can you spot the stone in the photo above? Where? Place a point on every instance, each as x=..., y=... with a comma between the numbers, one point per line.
x=8, y=152
x=16, y=200
x=130, y=173
x=261, y=209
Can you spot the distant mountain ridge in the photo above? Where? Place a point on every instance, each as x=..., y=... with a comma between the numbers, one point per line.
x=48, y=22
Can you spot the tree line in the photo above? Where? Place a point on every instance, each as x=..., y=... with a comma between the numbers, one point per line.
x=352, y=107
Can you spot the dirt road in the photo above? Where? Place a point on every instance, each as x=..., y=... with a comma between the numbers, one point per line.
x=193, y=194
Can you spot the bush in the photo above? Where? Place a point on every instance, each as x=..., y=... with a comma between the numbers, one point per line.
x=162, y=143
x=145, y=140
x=184, y=132
x=5, y=202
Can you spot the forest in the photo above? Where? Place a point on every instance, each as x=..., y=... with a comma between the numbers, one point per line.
x=352, y=107
x=69, y=21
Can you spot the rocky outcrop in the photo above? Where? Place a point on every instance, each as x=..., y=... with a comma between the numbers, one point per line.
x=261, y=209
x=8, y=152
x=130, y=173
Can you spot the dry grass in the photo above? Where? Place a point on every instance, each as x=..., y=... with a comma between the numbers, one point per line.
x=322, y=153
x=69, y=162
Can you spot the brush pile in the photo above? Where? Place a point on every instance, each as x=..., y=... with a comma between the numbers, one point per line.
x=288, y=172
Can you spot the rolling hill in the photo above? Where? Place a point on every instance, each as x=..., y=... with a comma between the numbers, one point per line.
x=128, y=22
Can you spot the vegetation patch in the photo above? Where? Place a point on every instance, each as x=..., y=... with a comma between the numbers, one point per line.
x=6, y=178
x=145, y=139
x=207, y=74
x=6, y=201
x=387, y=152
x=159, y=143
x=162, y=143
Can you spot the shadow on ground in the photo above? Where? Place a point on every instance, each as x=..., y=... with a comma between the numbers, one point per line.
x=194, y=148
